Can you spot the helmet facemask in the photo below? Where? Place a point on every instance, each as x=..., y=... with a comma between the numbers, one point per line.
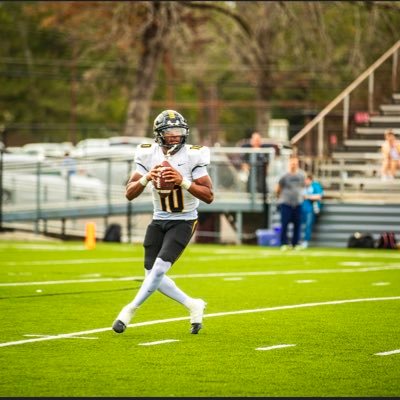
x=173, y=123
x=167, y=138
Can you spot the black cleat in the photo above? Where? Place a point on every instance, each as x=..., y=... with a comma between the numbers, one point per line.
x=119, y=326
x=195, y=328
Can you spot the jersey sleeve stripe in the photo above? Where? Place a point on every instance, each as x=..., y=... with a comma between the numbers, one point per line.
x=199, y=166
x=142, y=166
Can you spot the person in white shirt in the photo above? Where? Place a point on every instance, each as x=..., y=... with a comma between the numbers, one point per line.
x=391, y=155
x=175, y=216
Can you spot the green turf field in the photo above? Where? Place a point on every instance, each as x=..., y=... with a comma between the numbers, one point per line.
x=316, y=322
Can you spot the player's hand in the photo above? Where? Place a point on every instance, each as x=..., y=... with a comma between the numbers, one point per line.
x=172, y=175
x=155, y=172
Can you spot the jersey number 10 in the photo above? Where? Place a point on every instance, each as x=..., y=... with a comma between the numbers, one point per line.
x=174, y=201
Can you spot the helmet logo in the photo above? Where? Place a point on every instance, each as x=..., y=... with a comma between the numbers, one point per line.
x=171, y=114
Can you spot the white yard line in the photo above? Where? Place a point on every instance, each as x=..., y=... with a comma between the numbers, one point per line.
x=53, y=247
x=307, y=252
x=351, y=263
x=94, y=280
x=220, y=314
x=278, y=346
x=388, y=353
x=259, y=252
x=80, y=261
x=158, y=342
x=218, y=255
x=211, y=275
x=71, y=337
x=234, y=278
x=75, y=262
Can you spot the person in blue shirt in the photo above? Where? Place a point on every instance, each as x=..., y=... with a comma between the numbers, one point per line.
x=311, y=207
x=68, y=165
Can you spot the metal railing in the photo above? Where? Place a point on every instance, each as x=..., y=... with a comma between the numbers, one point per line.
x=38, y=193
x=344, y=97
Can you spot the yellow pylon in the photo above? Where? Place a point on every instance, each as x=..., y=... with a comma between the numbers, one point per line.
x=90, y=235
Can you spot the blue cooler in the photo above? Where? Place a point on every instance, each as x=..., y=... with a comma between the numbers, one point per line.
x=277, y=229
x=268, y=237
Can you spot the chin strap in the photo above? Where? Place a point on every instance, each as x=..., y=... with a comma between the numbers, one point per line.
x=170, y=151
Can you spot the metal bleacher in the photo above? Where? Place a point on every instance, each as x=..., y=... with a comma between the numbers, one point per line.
x=356, y=170
x=338, y=221
x=356, y=154
x=356, y=196
x=34, y=203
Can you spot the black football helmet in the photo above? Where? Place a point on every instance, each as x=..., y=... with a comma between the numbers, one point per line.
x=170, y=121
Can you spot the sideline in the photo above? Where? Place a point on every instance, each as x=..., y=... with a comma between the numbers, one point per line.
x=211, y=275
x=220, y=314
x=217, y=255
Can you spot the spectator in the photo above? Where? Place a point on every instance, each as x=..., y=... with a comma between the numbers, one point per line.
x=391, y=155
x=68, y=165
x=311, y=207
x=289, y=191
x=260, y=169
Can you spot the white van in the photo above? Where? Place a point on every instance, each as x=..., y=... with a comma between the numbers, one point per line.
x=24, y=177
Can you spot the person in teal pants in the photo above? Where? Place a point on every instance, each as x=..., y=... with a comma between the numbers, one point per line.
x=311, y=207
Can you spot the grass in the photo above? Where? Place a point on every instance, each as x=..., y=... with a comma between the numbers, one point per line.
x=291, y=298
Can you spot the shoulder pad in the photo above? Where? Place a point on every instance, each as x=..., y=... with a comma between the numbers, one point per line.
x=143, y=152
x=200, y=155
x=144, y=147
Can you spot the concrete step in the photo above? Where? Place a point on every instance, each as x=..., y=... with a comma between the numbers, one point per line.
x=360, y=196
x=384, y=119
x=362, y=184
x=338, y=155
x=349, y=167
x=396, y=98
x=365, y=169
x=390, y=109
x=371, y=208
x=347, y=221
x=374, y=144
x=369, y=130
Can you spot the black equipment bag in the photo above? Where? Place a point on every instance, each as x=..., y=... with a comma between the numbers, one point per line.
x=361, y=240
x=113, y=233
x=387, y=240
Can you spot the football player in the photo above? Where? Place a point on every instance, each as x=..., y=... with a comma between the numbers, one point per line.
x=175, y=215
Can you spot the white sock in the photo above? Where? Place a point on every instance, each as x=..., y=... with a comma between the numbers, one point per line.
x=151, y=282
x=169, y=288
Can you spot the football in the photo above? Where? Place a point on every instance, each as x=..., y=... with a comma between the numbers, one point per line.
x=164, y=188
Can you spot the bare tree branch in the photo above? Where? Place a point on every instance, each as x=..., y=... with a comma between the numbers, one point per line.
x=388, y=5
x=225, y=10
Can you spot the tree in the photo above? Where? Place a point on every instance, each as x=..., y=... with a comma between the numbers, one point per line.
x=137, y=32
x=110, y=62
x=25, y=96
x=330, y=40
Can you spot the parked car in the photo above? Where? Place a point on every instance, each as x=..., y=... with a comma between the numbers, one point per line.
x=44, y=149
x=23, y=188
x=24, y=176
x=129, y=140
x=108, y=147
